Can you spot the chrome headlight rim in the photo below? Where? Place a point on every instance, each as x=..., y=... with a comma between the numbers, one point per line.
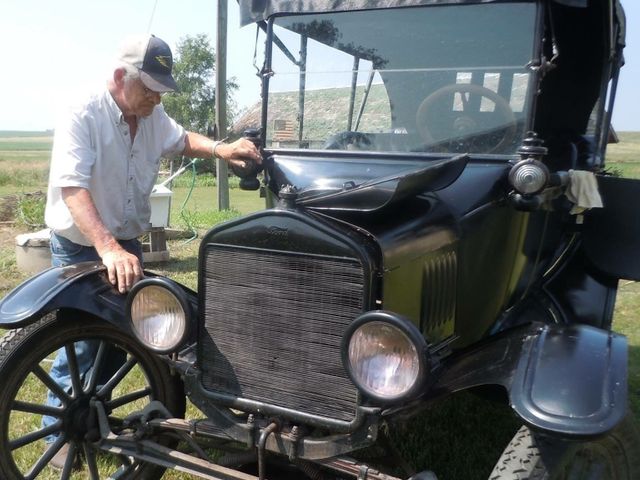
x=179, y=294
x=413, y=334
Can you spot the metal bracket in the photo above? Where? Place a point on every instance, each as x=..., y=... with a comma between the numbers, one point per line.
x=362, y=474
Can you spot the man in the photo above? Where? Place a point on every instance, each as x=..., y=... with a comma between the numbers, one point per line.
x=104, y=165
x=106, y=156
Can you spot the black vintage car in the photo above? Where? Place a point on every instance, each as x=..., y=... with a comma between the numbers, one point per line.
x=440, y=219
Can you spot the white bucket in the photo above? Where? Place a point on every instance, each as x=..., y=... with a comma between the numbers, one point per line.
x=32, y=251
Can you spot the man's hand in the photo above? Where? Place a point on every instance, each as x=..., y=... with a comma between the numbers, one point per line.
x=238, y=152
x=123, y=268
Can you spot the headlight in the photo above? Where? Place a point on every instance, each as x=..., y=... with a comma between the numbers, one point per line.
x=158, y=311
x=385, y=356
x=529, y=176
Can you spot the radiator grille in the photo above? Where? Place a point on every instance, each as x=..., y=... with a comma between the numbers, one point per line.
x=273, y=323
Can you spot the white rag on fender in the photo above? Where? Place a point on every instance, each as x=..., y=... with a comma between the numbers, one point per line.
x=583, y=191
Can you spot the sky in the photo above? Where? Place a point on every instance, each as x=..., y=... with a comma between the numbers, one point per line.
x=54, y=49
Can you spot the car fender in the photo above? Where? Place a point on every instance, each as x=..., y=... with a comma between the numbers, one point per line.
x=82, y=286
x=568, y=379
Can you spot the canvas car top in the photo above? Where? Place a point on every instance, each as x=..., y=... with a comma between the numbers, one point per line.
x=257, y=10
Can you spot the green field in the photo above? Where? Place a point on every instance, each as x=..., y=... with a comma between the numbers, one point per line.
x=465, y=449
x=13, y=134
x=24, y=161
x=624, y=157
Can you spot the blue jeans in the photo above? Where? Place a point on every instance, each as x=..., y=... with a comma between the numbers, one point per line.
x=65, y=252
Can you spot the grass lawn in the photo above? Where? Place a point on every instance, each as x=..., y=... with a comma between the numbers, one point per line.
x=465, y=449
x=624, y=157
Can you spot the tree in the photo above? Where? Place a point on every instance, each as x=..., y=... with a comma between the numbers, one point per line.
x=193, y=105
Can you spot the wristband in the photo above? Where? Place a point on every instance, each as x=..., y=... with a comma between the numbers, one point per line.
x=213, y=148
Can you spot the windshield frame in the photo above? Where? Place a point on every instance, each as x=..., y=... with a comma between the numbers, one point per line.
x=534, y=67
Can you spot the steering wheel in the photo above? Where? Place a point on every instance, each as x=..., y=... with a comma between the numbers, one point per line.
x=348, y=141
x=464, y=128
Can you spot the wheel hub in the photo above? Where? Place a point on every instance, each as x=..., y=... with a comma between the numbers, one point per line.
x=77, y=419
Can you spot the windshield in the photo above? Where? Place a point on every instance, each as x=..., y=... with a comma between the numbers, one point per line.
x=425, y=79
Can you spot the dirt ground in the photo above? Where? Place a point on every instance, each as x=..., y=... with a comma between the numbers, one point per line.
x=8, y=204
x=9, y=226
x=10, y=275
x=8, y=232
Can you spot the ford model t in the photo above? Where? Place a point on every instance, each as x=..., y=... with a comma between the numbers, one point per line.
x=440, y=219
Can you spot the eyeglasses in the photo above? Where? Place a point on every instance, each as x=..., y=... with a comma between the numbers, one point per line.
x=151, y=93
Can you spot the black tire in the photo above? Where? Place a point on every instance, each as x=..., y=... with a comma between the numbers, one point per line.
x=534, y=456
x=24, y=357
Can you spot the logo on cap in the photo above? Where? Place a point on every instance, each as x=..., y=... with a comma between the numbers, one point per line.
x=164, y=60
